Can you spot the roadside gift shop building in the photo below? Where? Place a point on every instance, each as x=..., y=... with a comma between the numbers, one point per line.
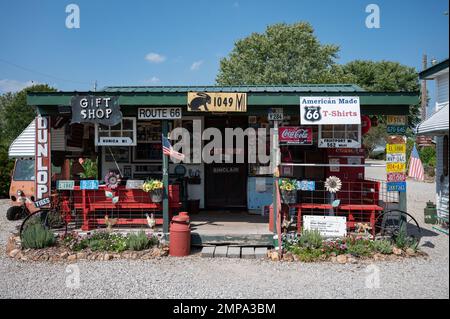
x=317, y=133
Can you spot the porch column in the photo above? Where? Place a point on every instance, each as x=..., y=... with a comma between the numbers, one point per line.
x=165, y=179
x=275, y=171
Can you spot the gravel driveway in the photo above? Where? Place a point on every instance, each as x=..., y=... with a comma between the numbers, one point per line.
x=196, y=277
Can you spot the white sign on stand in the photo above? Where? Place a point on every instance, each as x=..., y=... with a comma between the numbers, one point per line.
x=275, y=114
x=328, y=226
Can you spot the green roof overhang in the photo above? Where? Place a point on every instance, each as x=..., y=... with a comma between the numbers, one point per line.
x=376, y=103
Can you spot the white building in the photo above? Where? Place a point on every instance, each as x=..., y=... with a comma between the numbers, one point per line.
x=437, y=125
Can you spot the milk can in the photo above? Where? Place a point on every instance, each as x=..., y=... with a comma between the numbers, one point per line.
x=180, y=236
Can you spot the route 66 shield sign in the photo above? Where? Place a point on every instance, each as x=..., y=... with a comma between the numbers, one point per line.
x=312, y=113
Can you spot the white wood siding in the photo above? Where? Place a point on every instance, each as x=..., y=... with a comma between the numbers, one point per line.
x=441, y=89
x=441, y=186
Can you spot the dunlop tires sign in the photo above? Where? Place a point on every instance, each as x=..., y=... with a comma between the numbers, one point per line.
x=217, y=102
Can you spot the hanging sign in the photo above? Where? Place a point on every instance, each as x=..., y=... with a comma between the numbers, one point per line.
x=159, y=113
x=114, y=141
x=338, y=143
x=217, y=102
x=89, y=184
x=295, y=135
x=43, y=159
x=328, y=226
x=96, y=109
x=275, y=114
x=65, y=185
x=318, y=110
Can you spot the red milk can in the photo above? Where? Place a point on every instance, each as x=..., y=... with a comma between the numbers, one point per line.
x=180, y=236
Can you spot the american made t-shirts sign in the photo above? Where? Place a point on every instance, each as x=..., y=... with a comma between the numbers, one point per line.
x=319, y=110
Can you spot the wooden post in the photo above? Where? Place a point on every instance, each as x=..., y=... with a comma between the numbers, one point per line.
x=165, y=203
x=275, y=175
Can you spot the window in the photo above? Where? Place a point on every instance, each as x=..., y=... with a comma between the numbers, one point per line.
x=123, y=133
x=343, y=135
x=445, y=156
x=148, y=147
x=24, y=170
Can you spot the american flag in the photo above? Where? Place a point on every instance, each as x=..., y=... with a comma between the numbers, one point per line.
x=169, y=151
x=415, y=165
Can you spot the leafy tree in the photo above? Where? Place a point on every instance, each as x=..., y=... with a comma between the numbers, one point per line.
x=283, y=54
x=386, y=76
x=16, y=114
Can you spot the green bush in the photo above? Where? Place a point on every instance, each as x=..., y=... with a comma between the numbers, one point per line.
x=310, y=239
x=403, y=241
x=140, y=241
x=383, y=246
x=306, y=254
x=428, y=155
x=36, y=236
x=360, y=247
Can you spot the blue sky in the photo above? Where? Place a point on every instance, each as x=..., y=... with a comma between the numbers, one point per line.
x=181, y=42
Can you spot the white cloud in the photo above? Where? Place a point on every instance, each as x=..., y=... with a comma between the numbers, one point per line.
x=153, y=57
x=196, y=65
x=7, y=85
x=152, y=80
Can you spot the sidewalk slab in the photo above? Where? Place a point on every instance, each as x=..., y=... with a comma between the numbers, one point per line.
x=248, y=252
x=208, y=251
x=260, y=252
x=234, y=252
x=221, y=251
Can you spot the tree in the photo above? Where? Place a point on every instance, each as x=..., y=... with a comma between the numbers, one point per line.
x=283, y=54
x=15, y=114
x=386, y=76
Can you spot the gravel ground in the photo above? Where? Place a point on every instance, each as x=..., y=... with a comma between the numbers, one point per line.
x=196, y=277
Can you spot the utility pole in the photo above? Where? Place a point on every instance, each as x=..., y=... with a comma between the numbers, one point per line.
x=95, y=86
x=424, y=91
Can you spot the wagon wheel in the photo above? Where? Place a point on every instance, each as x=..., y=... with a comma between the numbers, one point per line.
x=396, y=224
x=52, y=220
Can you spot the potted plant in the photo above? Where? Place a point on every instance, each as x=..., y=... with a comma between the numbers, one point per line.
x=288, y=191
x=155, y=188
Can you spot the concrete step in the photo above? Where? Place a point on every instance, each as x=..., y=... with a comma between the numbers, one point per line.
x=234, y=252
x=250, y=240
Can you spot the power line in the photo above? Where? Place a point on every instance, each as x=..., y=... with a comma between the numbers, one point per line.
x=41, y=73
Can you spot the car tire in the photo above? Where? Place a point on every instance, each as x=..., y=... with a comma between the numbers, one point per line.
x=14, y=213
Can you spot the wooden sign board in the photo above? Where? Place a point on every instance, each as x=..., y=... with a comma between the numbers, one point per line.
x=217, y=102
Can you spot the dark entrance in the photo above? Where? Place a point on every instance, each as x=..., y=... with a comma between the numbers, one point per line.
x=226, y=183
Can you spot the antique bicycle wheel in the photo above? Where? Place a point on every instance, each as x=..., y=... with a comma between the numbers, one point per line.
x=398, y=225
x=49, y=219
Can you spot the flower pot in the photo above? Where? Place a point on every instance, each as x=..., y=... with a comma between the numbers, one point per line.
x=156, y=195
x=288, y=197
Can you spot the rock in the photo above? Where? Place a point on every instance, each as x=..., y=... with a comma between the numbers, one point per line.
x=333, y=254
x=72, y=257
x=116, y=256
x=342, y=259
x=24, y=258
x=43, y=257
x=274, y=256
x=81, y=255
x=333, y=259
x=352, y=260
x=10, y=245
x=379, y=256
x=134, y=256
x=410, y=252
x=288, y=257
x=397, y=251
x=13, y=253
x=63, y=255
x=107, y=257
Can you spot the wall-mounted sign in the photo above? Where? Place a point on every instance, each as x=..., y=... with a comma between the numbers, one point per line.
x=338, y=143
x=89, y=184
x=306, y=185
x=42, y=202
x=366, y=124
x=295, y=135
x=275, y=114
x=114, y=141
x=328, y=226
x=395, y=167
x=396, y=177
x=43, y=158
x=225, y=170
x=396, y=120
x=318, y=110
x=396, y=129
x=217, y=102
x=396, y=187
x=159, y=113
x=395, y=148
x=96, y=109
x=134, y=184
x=65, y=185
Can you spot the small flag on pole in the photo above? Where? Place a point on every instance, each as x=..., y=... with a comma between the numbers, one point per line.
x=169, y=151
x=415, y=165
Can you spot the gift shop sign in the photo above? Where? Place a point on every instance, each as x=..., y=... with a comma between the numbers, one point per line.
x=96, y=109
x=318, y=110
x=43, y=161
x=295, y=135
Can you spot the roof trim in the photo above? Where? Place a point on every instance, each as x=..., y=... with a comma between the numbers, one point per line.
x=432, y=72
x=437, y=122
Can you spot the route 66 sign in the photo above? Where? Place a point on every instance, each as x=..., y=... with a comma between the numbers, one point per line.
x=312, y=113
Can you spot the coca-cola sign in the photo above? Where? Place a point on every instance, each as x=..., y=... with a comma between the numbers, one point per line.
x=295, y=135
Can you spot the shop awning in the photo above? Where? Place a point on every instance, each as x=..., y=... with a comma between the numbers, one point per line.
x=435, y=124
